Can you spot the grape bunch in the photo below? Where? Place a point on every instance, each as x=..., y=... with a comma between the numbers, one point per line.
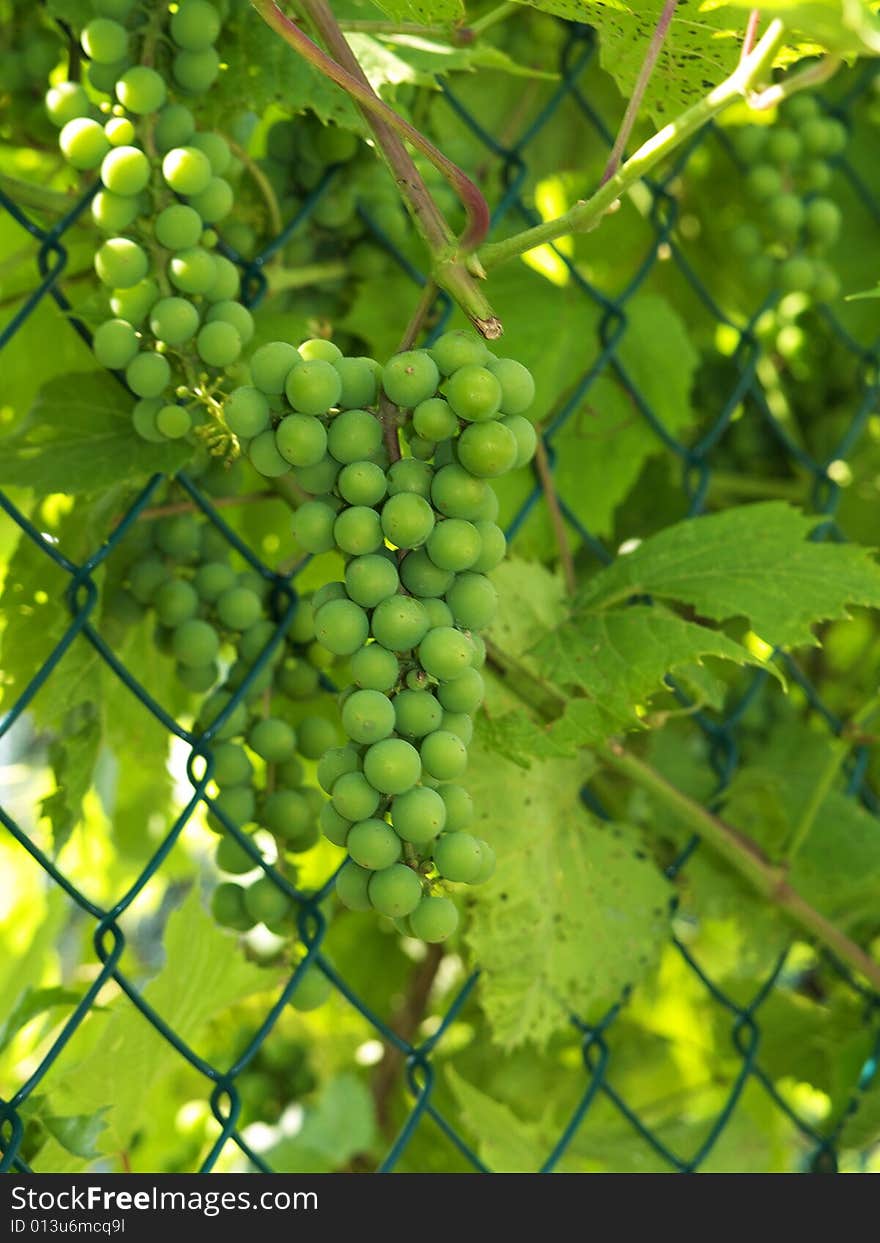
x=173, y=319
x=793, y=225
x=216, y=622
x=419, y=537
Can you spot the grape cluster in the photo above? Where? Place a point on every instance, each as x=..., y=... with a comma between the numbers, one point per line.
x=419, y=537
x=215, y=622
x=794, y=225
x=279, y=1076
x=174, y=320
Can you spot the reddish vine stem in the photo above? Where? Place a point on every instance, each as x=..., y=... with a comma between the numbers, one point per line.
x=189, y=507
x=750, y=38
x=632, y=109
x=557, y=521
x=405, y=1023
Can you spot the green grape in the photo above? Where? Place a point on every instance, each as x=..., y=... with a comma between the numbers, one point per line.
x=329, y=591
x=179, y=537
x=822, y=221
x=174, y=320
x=199, y=678
x=749, y=142
x=407, y=520
x=315, y=736
x=826, y=284
x=105, y=41
x=214, y=706
x=313, y=989
x=462, y=694
x=246, y=412
x=264, y=456
x=399, y=623
x=301, y=439
x=178, y=227
x=141, y=90
x=395, y=891
x=192, y=270
x=231, y=765
x=196, y=71
x=517, y=385
x=454, y=544
x=763, y=181
x=266, y=903
x=115, y=343
x=361, y=483
x=334, y=827
x=354, y=797
x=145, y=578
x=416, y=713
x=318, y=479
x=487, y=864
x=272, y=739
x=334, y=763
x=226, y=283
x=373, y=844
x=121, y=263
x=434, y=919
x=195, y=25
x=746, y=239
x=360, y=382
x=351, y=887
x=313, y=527
x=215, y=202
x=134, y=304
x=459, y=348
x=375, y=668
x=418, y=815
x=457, y=494
x=422, y=449
x=230, y=312
x=786, y=214
x=817, y=175
x=458, y=857
x=371, y=579
x=438, y=611
x=113, y=212
x=443, y=755
x=320, y=348
x=434, y=420
x=391, y=766
x=104, y=77
x=228, y=909
x=823, y=136
x=358, y=531
x=231, y=856
x=297, y=679
x=367, y=716
x=409, y=475
x=257, y=636
x=460, y=724
x=474, y=393
x=353, y=435
x=186, y=170
x=473, y=600
x=120, y=132
x=797, y=274
x=445, y=653
x=67, y=101
x=422, y=577
x=410, y=378
x=526, y=439
x=313, y=387
x=271, y=365
x=239, y=608
x=216, y=148
x=459, y=807
x=287, y=814
x=173, y=422
x=341, y=626
x=175, y=126
x=487, y=450
x=493, y=547
x=218, y=344
x=783, y=146
x=195, y=643
x=176, y=601
x=212, y=578
x=147, y=374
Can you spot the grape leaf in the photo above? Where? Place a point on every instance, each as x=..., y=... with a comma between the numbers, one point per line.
x=72, y=758
x=753, y=561
x=575, y=911
x=425, y=12
x=79, y=1135
x=846, y=27
x=340, y=1125
x=404, y=59
x=506, y=1144
x=78, y=438
x=34, y=1001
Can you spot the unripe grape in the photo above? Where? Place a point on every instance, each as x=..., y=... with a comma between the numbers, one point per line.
x=341, y=626
x=334, y=827
x=371, y=579
x=458, y=857
x=409, y=475
x=361, y=483
x=473, y=600
x=351, y=887
x=399, y=623
x=474, y=393
x=407, y=520
x=334, y=763
x=375, y=668
x=66, y=102
x=215, y=202
x=301, y=439
x=83, y=143
x=315, y=735
x=410, y=378
x=272, y=739
x=231, y=312
x=313, y=387
x=434, y=919
x=487, y=450
x=178, y=227
x=526, y=438
x=121, y=263
x=216, y=148
x=395, y=891
x=174, y=320
x=264, y=456
x=360, y=382
x=195, y=643
x=105, y=41
x=231, y=764
x=246, y=412
x=367, y=716
x=270, y=366
x=228, y=909
x=115, y=343
x=354, y=797
x=445, y=653
x=422, y=577
x=418, y=815
x=459, y=348
x=313, y=527
x=120, y=132
x=239, y=608
x=517, y=384
x=416, y=713
x=358, y=531
x=175, y=126
x=148, y=374
x=186, y=170
x=353, y=435
x=134, y=304
x=114, y=212
x=141, y=90
x=313, y=989
x=392, y=766
x=373, y=844
x=454, y=544
x=195, y=25
x=443, y=755
x=459, y=807
x=457, y=494
x=434, y=419
x=196, y=71
x=192, y=270
x=218, y=344
x=173, y=422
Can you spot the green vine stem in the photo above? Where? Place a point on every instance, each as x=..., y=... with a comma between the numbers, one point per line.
x=37, y=197
x=744, y=855
x=586, y=215
x=452, y=270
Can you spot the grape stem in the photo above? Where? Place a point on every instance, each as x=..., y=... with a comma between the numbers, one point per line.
x=189, y=507
x=545, y=474
x=736, y=848
x=454, y=266
x=632, y=108
x=262, y=182
x=751, y=34
x=586, y=215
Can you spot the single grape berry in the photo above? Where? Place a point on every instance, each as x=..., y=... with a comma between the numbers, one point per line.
x=247, y=412
x=410, y=378
x=434, y=919
x=367, y=716
x=373, y=844
x=395, y=891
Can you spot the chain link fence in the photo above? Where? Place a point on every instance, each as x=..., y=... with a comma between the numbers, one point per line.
x=694, y=461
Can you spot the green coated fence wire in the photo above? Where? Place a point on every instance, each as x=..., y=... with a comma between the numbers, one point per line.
x=695, y=466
